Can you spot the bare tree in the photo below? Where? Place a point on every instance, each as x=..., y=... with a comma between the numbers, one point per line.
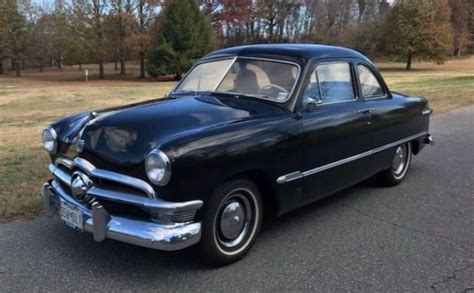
x=142, y=27
x=460, y=21
x=89, y=17
x=119, y=30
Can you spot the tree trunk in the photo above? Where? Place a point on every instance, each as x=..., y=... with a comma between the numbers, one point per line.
x=101, y=70
x=116, y=66
x=80, y=66
x=60, y=66
x=40, y=61
x=23, y=64
x=13, y=64
x=409, y=58
x=51, y=61
x=142, y=65
x=17, y=68
x=1, y=66
x=177, y=76
x=123, y=70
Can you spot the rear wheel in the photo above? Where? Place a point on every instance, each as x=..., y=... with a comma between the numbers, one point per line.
x=401, y=161
x=231, y=222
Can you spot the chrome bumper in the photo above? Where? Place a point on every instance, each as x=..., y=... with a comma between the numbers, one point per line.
x=101, y=224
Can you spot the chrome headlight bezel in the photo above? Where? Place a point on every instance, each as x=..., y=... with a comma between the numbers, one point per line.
x=158, y=167
x=50, y=140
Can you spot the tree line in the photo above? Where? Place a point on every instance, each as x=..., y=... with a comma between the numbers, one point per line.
x=166, y=36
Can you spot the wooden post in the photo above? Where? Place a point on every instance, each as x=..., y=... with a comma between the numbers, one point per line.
x=86, y=74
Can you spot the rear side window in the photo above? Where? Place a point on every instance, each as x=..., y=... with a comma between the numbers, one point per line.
x=333, y=82
x=369, y=84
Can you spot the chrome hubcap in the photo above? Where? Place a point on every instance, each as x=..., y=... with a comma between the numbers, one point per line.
x=234, y=221
x=399, y=161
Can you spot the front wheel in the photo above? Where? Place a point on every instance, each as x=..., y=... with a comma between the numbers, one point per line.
x=231, y=221
x=401, y=161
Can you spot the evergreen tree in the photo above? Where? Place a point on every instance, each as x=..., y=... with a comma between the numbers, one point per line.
x=184, y=34
x=419, y=28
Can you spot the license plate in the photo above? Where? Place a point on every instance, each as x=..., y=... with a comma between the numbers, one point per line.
x=71, y=215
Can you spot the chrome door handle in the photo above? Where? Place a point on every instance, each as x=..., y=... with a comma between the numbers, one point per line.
x=365, y=111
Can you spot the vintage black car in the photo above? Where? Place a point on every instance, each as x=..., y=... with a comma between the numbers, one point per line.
x=250, y=130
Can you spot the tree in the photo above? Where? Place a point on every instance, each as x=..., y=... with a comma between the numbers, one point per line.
x=184, y=35
x=460, y=20
x=419, y=28
x=88, y=21
x=39, y=37
x=142, y=26
x=118, y=27
x=4, y=46
x=16, y=28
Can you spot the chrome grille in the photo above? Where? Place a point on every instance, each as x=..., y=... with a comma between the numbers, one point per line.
x=64, y=168
x=122, y=189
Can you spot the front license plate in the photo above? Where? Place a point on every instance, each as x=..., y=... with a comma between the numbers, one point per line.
x=71, y=215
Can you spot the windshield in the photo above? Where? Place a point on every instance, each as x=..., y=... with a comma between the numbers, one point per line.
x=266, y=79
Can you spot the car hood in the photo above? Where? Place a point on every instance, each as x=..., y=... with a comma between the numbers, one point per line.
x=124, y=136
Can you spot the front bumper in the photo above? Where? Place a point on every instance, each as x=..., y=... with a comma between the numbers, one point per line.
x=96, y=220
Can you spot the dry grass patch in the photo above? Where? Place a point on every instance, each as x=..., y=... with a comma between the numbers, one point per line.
x=446, y=87
x=26, y=106
x=29, y=103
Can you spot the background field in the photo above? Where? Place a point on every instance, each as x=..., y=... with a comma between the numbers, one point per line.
x=29, y=103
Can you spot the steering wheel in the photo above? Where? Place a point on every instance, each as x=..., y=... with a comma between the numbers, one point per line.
x=269, y=87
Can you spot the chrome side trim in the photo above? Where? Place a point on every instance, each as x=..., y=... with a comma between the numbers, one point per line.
x=427, y=111
x=91, y=170
x=289, y=177
x=299, y=174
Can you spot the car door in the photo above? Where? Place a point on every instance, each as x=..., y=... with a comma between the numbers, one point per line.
x=388, y=116
x=334, y=133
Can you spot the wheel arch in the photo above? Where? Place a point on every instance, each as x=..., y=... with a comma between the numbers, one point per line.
x=266, y=187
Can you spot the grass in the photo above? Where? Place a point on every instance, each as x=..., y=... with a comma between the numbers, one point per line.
x=29, y=103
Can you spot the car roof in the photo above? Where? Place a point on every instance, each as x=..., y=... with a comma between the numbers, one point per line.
x=289, y=52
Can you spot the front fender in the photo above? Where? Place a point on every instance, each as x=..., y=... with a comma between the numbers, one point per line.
x=204, y=160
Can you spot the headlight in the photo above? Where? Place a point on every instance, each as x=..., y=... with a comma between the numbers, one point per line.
x=50, y=140
x=158, y=167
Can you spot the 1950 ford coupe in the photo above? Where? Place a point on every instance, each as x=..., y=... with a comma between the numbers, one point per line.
x=249, y=130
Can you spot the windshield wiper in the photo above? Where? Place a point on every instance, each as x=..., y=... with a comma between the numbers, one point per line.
x=181, y=92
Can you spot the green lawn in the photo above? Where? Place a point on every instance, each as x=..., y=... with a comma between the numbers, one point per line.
x=29, y=103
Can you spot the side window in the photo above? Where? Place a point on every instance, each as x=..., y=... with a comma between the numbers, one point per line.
x=331, y=83
x=369, y=84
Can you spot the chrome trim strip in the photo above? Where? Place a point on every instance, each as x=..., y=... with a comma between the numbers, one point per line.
x=289, y=177
x=225, y=74
x=65, y=162
x=91, y=170
x=299, y=174
x=426, y=111
x=143, y=201
x=60, y=174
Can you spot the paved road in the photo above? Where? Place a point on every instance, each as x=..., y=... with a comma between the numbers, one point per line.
x=417, y=237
